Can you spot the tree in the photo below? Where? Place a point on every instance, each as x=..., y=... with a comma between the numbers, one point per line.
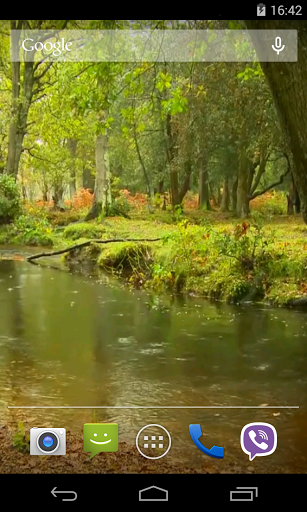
x=288, y=84
x=27, y=85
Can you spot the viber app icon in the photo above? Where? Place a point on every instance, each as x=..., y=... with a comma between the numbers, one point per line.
x=258, y=439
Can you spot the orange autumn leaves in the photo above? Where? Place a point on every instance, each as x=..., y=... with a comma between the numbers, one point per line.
x=240, y=229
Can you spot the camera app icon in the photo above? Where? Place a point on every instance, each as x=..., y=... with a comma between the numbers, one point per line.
x=47, y=441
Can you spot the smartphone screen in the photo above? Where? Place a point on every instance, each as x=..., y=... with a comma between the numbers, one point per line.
x=153, y=209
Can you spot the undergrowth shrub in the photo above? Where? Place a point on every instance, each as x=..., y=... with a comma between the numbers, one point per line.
x=10, y=204
x=119, y=207
x=30, y=230
x=21, y=440
x=217, y=262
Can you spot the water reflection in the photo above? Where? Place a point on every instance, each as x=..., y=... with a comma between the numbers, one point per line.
x=68, y=340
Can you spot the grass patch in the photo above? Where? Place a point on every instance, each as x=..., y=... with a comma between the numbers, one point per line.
x=282, y=292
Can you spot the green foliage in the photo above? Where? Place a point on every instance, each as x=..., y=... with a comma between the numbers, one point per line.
x=21, y=441
x=29, y=230
x=157, y=201
x=282, y=292
x=5, y=234
x=165, y=279
x=215, y=262
x=115, y=186
x=178, y=213
x=83, y=230
x=250, y=72
x=286, y=266
x=119, y=207
x=10, y=205
x=223, y=281
x=246, y=244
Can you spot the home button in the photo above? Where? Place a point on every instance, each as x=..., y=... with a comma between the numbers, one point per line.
x=153, y=493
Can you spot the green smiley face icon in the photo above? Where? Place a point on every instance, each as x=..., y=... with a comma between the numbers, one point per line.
x=100, y=437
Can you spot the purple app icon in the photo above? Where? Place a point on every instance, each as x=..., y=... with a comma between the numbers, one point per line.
x=258, y=439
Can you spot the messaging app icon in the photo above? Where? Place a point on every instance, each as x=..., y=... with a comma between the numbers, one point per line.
x=258, y=439
x=100, y=437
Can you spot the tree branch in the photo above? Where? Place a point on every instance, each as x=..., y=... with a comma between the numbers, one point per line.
x=38, y=77
x=89, y=242
x=27, y=149
x=279, y=182
x=43, y=159
x=260, y=172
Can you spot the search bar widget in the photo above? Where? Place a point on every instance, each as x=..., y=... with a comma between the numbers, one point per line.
x=154, y=46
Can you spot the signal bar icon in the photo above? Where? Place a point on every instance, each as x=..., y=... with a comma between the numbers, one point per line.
x=261, y=10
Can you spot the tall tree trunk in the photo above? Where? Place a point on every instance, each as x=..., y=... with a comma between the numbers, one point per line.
x=174, y=185
x=102, y=191
x=219, y=195
x=100, y=171
x=88, y=180
x=287, y=81
x=234, y=191
x=171, y=152
x=291, y=197
x=290, y=205
x=72, y=146
x=58, y=191
x=160, y=186
x=242, y=208
x=225, y=196
x=21, y=101
x=212, y=194
x=186, y=182
x=203, y=189
x=148, y=187
x=296, y=197
x=11, y=155
x=297, y=202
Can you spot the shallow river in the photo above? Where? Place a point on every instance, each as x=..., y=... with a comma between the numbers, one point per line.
x=75, y=340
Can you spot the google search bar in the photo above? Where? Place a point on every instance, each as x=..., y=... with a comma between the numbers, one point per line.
x=154, y=45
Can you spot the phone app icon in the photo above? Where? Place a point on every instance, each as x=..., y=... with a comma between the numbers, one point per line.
x=216, y=451
x=258, y=439
x=100, y=437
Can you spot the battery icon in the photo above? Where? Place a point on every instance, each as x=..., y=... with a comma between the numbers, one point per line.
x=261, y=10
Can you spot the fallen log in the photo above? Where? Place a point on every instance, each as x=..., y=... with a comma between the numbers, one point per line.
x=89, y=242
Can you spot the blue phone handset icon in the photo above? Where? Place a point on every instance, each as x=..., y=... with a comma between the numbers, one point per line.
x=216, y=451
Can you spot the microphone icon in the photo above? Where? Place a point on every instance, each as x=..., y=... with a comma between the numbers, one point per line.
x=278, y=48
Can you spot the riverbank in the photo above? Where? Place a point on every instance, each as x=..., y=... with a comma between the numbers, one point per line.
x=205, y=254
